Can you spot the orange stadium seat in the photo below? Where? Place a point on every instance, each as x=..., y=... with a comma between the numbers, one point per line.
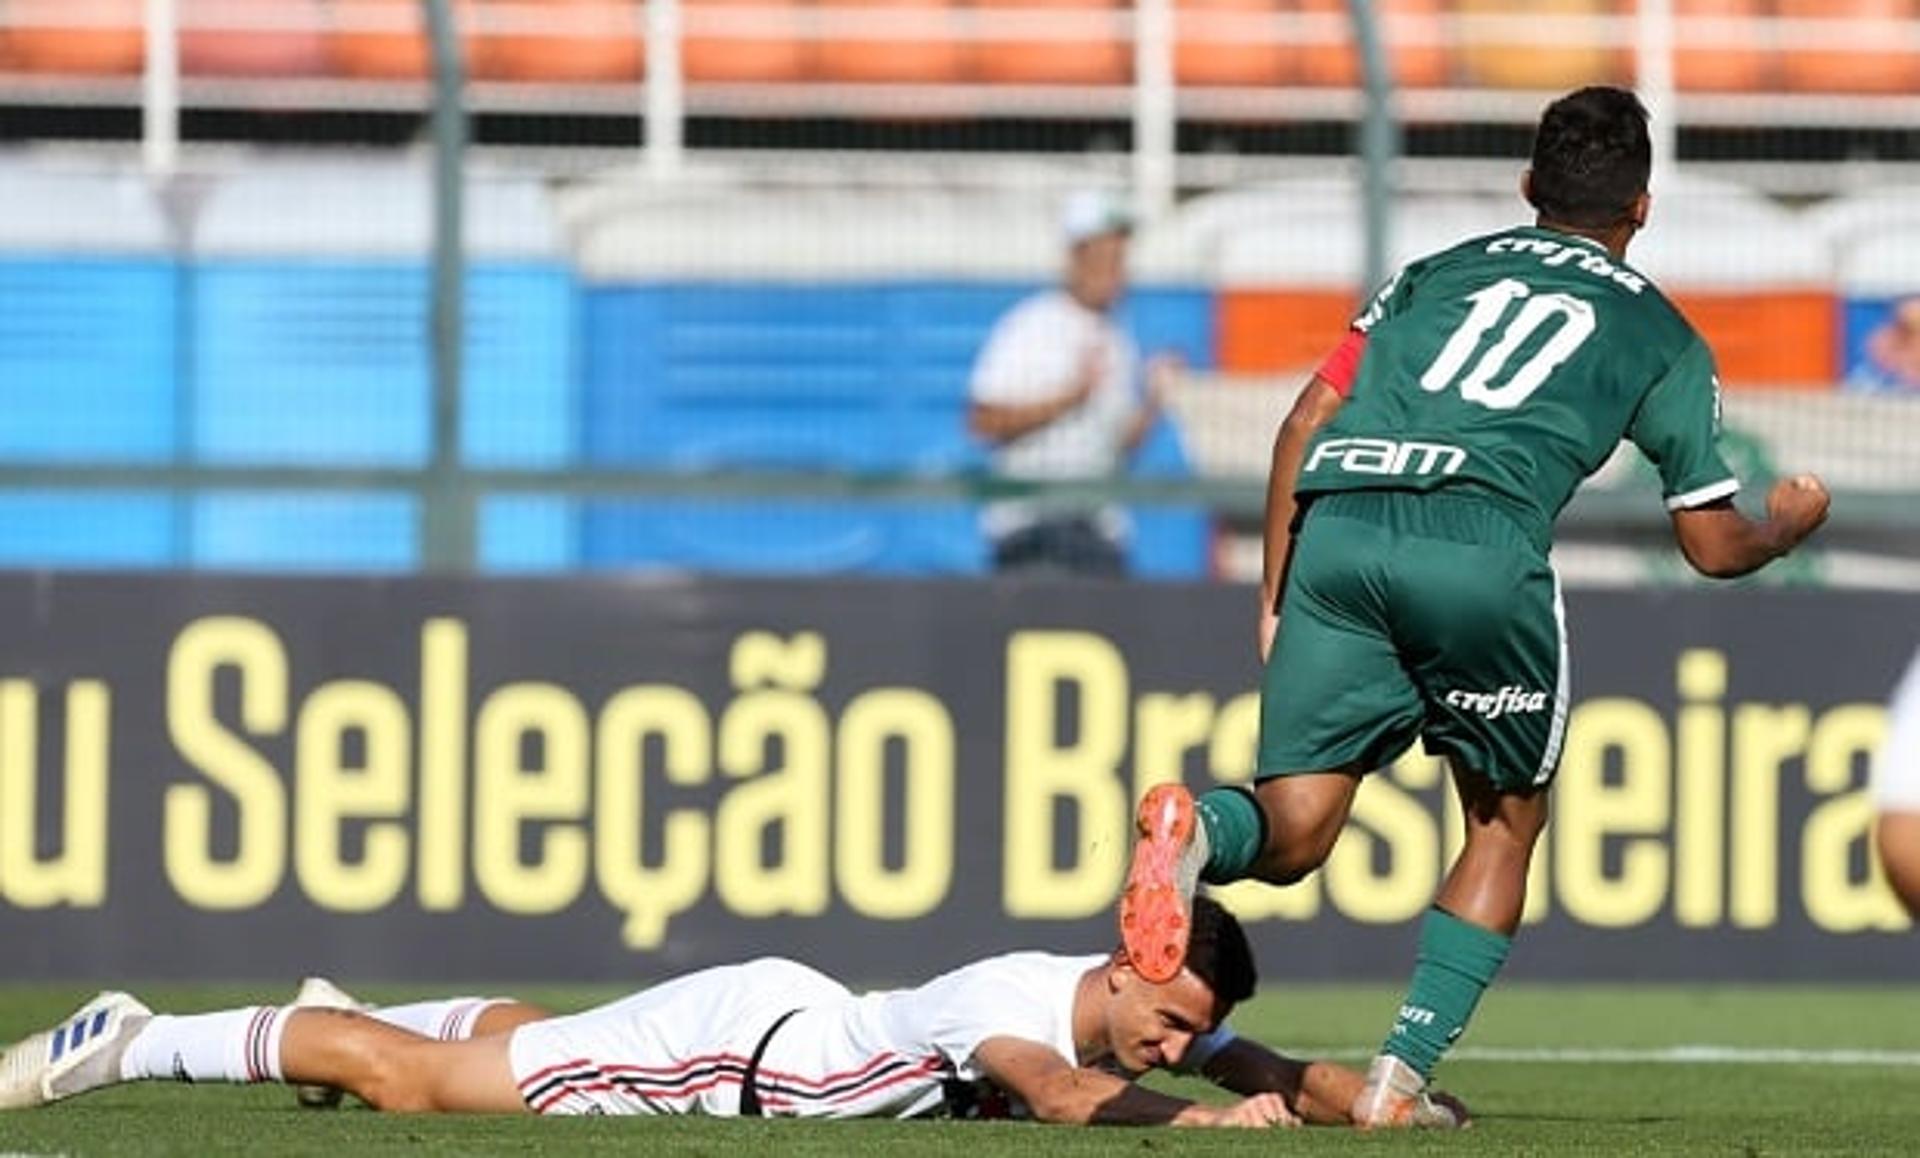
x=1707, y=63
x=1224, y=58
x=590, y=41
x=1494, y=60
x=35, y=41
x=1262, y=331
x=1412, y=31
x=932, y=56
x=1815, y=69
x=774, y=53
x=386, y=39
x=1097, y=55
x=296, y=45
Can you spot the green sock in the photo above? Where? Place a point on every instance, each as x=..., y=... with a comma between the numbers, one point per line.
x=1236, y=830
x=1457, y=962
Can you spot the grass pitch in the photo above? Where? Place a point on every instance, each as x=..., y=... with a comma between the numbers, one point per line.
x=1547, y=1071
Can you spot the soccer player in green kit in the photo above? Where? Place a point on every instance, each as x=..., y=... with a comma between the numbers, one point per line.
x=1407, y=590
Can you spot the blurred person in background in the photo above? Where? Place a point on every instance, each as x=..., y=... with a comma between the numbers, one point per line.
x=1407, y=590
x=1890, y=356
x=1059, y=391
x=1056, y=1038
x=1897, y=791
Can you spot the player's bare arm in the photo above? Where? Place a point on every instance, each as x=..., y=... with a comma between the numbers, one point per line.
x=1319, y=1093
x=1058, y=1091
x=1720, y=542
x=1314, y=408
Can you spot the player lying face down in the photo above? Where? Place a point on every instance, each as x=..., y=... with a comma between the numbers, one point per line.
x=1057, y=1038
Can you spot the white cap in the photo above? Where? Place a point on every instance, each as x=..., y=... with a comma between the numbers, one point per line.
x=1092, y=213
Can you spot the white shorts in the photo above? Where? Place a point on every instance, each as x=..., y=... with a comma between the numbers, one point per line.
x=682, y=1047
x=1896, y=786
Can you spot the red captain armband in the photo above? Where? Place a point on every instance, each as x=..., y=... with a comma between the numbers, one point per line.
x=1343, y=364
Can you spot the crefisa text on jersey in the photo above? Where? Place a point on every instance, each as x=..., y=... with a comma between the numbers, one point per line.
x=1581, y=257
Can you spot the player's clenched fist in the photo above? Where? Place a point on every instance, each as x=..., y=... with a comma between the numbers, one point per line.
x=1798, y=505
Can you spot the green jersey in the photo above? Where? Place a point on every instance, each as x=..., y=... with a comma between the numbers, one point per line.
x=1514, y=364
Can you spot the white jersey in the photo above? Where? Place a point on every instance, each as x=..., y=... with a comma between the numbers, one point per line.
x=685, y=1047
x=1897, y=771
x=1034, y=353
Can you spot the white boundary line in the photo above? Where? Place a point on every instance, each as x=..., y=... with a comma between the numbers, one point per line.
x=1692, y=1055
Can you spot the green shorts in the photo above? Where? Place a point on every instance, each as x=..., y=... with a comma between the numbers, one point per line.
x=1432, y=615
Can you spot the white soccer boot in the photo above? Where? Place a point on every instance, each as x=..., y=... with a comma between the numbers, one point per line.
x=1397, y=1097
x=320, y=993
x=81, y=1053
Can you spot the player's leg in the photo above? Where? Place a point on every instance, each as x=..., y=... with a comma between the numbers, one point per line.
x=1897, y=835
x=1483, y=632
x=1335, y=701
x=1464, y=940
x=395, y=1069
x=445, y=1019
x=115, y=1039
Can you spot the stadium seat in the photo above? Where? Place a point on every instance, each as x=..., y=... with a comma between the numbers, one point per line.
x=578, y=41
x=783, y=536
x=387, y=39
x=774, y=52
x=314, y=531
x=1740, y=58
x=92, y=530
x=35, y=39
x=1217, y=43
x=1572, y=57
x=922, y=45
x=1413, y=32
x=90, y=335
x=310, y=344
x=213, y=43
x=1087, y=48
x=1857, y=68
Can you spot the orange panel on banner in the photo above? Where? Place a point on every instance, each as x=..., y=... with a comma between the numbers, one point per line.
x=1769, y=339
x=1263, y=331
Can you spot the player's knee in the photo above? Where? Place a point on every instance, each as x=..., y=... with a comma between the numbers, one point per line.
x=1293, y=861
x=394, y=1081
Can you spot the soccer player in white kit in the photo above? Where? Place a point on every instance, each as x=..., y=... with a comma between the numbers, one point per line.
x=1058, y=1038
x=1897, y=791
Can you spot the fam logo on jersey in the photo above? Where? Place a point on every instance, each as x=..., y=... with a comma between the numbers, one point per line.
x=1386, y=456
x=1509, y=700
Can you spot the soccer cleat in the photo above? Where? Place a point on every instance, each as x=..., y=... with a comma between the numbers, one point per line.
x=320, y=993
x=81, y=1053
x=1156, y=910
x=1395, y=1096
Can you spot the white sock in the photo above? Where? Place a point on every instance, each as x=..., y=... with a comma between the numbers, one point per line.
x=233, y=1045
x=449, y=1020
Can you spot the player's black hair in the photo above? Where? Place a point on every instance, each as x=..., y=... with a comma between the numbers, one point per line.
x=1591, y=158
x=1218, y=953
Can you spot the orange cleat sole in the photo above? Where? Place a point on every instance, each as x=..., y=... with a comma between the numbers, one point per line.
x=1154, y=912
